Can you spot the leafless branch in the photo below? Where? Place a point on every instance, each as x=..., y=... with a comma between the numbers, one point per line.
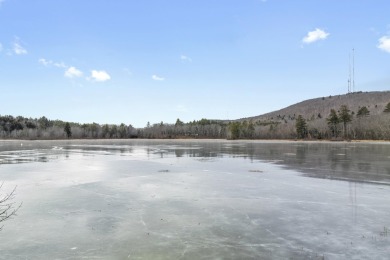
x=7, y=206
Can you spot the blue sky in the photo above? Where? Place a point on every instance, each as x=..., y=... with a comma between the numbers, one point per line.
x=131, y=61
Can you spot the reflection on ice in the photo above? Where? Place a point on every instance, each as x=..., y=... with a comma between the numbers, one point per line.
x=15, y=157
x=197, y=199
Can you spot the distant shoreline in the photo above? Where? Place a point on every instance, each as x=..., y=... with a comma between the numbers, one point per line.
x=202, y=140
x=362, y=116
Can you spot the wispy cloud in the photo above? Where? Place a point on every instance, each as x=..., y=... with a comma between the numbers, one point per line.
x=45, y=62
x=127, y=71
x=60, y=65
x=1, y=47
x=48, y=63
x=18, y=48
x=384, y=43
x=157, y=78
x=72, y=72
x=314, y=36
x=374, y=30
x=185, y=58
x=99, y=76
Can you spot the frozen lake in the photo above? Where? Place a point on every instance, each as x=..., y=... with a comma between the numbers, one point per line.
x=191, y=199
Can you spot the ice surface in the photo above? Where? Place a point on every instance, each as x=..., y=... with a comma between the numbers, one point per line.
x=196, y=200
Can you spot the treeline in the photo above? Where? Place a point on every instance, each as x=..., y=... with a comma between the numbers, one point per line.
x=203, y=128
x=43, y=128
x=337, y=124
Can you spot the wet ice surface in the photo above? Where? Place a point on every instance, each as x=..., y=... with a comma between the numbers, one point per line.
x=197, y=200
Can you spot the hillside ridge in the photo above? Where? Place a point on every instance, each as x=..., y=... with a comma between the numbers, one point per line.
x=375, y=101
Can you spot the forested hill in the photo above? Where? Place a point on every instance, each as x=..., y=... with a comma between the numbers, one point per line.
x=358, y=115
x=374, y=101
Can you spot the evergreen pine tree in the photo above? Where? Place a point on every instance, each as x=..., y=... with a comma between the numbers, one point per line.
x=301, y=127
x=67, y=130
x=363, y=111
x=387, y=108
x=235, y=130
x=345, y=117
x=333, y=120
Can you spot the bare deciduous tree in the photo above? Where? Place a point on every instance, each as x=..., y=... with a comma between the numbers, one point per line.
x=8, y=208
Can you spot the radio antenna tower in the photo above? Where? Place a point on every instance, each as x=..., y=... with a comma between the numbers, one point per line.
x=349, y=73
x=353, y=69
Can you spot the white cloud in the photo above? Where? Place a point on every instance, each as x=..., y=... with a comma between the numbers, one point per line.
x=59, y=65
x=1, y=47
x=384, y=43
x=315, y=35
x=99, y=75
x=45, y=62
x=48, y=63
x=157, y=78
x=72, y=72
x=185, y=58
x=19, y=49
